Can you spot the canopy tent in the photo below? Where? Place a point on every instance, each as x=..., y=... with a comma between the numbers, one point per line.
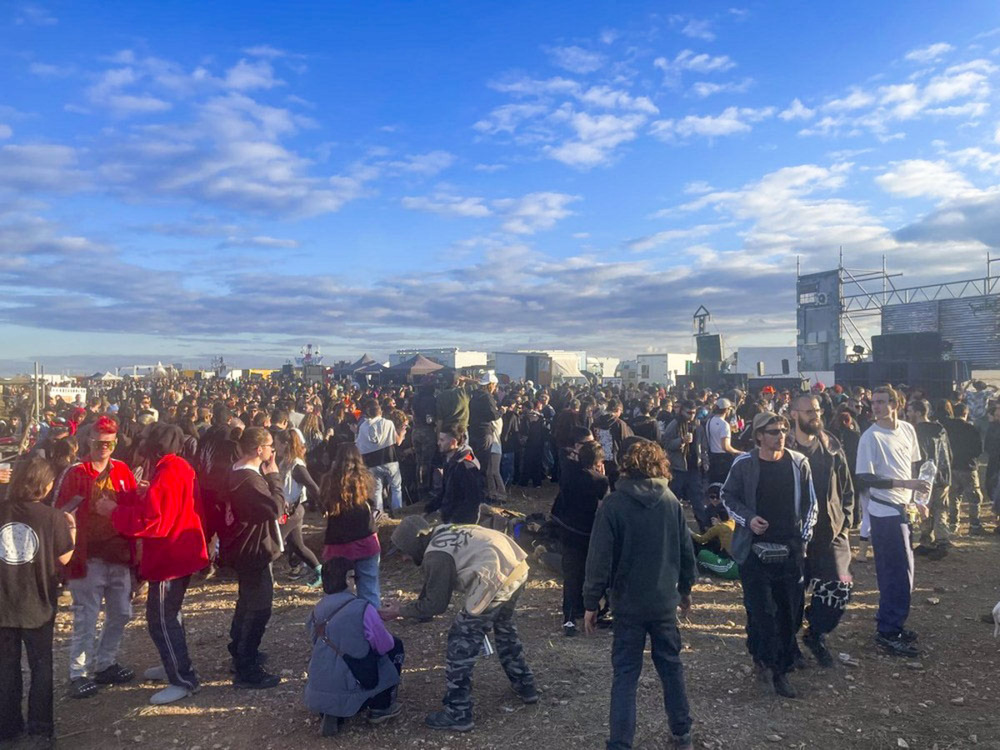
x=564, y=367
x=414, y=367
x=107, y=377
x=365, y=360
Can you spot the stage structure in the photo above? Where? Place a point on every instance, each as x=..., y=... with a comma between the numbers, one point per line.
x=839, y=311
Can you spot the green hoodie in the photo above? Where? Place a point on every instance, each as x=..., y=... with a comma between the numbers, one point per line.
x=641, y=550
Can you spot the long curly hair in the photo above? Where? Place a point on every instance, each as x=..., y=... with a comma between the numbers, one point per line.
x=645, y=460
x=348, y=484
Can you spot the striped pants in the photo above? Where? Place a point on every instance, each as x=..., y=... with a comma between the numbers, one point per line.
x=166, y=628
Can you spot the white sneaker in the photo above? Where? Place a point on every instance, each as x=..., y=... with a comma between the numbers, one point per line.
x=169, y=694
x=155, y=674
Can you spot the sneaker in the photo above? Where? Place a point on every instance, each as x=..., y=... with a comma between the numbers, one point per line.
x=783, y=687
x=82, y=687
x=257, y=679
x=939, y=552
x=924, y=550
x=317, y=579
x=298, y=571
x=261, y=661
x=527, y=693
x=116, y=674
x=444, y=720
x=908, y=636
x=380, y=715
x=569, y=629
x=894, y=645
x=683, y=742
x=155, y=674
x=170, y=694
x=817, y=644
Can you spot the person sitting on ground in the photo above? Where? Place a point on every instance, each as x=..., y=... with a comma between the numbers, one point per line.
x=356, y=662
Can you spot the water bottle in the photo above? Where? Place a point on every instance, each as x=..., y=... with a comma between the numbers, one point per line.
x=928, y=473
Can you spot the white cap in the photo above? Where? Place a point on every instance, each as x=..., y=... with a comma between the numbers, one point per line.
x=488, y=377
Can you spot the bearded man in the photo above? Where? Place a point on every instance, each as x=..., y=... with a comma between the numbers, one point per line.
x=828, y=556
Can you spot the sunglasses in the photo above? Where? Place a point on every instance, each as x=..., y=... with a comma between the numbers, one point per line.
x=109, y=443
x=776, y=432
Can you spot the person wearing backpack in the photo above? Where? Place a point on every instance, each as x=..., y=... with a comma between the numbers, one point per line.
x=356, y=662
x=610, y=431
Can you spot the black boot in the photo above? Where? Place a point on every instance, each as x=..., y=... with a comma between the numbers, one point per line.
x=783, y=687
x=816, y=642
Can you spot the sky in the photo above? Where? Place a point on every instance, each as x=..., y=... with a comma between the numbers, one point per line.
x=185, y=180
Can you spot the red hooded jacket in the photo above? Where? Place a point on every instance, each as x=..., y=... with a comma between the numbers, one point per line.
x=80, y=481
x=168, y=518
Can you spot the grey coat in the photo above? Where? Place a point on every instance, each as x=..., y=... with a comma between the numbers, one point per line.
x=739, y=495
x=331, y=688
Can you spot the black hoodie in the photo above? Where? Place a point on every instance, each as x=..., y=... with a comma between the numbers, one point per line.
x=254, y=502
x=461, y=489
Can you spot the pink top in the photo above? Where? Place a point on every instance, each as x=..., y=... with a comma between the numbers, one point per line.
x=359, y=549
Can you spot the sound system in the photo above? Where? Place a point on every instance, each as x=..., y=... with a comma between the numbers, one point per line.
x=313, y=373
x=936, y=379
x=923, y=346
x=709, y=347
x=288, y=371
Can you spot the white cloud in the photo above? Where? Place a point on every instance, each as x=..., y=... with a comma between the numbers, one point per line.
x=109, y=92
x=5, y=131
x=449, y=205
x=508, y=117
x=653, y=241
x=930, y=53
x=264, y=50
x=39, y=167
x=44, y=70
x=246, y=76
x=260, y=241
x=534, y=212
x=797, y=111
x=428, y=164
x=703, y=89
x=730, y=121
x=608, y=36
x=35, y=15
x=576, y=59
x=699, y=30
x=595, y=136
x=608, y=98
x=687, y=60
x=919, y=178
x=856, y=99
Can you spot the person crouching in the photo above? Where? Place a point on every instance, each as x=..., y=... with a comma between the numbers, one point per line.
x=356, y=662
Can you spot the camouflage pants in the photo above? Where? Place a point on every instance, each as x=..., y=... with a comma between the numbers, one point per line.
x=465, y=641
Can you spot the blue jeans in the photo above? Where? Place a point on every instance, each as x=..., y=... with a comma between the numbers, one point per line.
x=686, y=485
x=366, y=579
x=626, y=659
x=388, y=473
x=507, y=468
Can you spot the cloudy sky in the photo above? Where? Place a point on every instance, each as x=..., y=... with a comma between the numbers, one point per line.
x=181, y=180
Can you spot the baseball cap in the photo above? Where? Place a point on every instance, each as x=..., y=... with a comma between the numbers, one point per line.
x=724, y=403
x=488, y=377
x=765, y=418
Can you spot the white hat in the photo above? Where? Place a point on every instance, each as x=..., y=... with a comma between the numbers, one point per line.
x=488, y=377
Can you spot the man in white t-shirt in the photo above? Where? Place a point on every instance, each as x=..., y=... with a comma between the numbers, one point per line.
x=719, y=435
x=888, y=457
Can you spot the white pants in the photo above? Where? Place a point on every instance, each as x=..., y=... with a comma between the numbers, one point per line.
x=107, y=585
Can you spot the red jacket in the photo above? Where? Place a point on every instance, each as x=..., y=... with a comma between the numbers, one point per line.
x=79, y=481
x=168, y=519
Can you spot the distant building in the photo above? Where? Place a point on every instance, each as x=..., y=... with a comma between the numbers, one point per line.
x=664, y=368
x=452, y=357
x=603, y=367
x=541, y=367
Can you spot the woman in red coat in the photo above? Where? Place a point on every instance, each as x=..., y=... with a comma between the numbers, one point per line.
x=167, y=516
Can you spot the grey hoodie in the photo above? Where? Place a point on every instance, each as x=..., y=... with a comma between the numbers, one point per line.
x=640, y=548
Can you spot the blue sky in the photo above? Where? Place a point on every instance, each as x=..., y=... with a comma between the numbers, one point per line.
x=181, y=180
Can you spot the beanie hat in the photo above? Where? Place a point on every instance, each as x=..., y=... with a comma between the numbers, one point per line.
x=406, y=537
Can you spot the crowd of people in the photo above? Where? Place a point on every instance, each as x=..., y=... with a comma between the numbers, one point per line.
x=160, y=484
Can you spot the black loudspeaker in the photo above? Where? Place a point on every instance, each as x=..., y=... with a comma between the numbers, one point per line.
x=925, y=346
x=888, y=373
x=709, y=347
x=288, y=371
x=313, y=373
x=936, y=379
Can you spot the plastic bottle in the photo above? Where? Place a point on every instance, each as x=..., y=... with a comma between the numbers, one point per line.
x=928, y=473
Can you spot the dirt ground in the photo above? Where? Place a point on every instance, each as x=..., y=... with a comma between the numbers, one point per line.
x=946, y=699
